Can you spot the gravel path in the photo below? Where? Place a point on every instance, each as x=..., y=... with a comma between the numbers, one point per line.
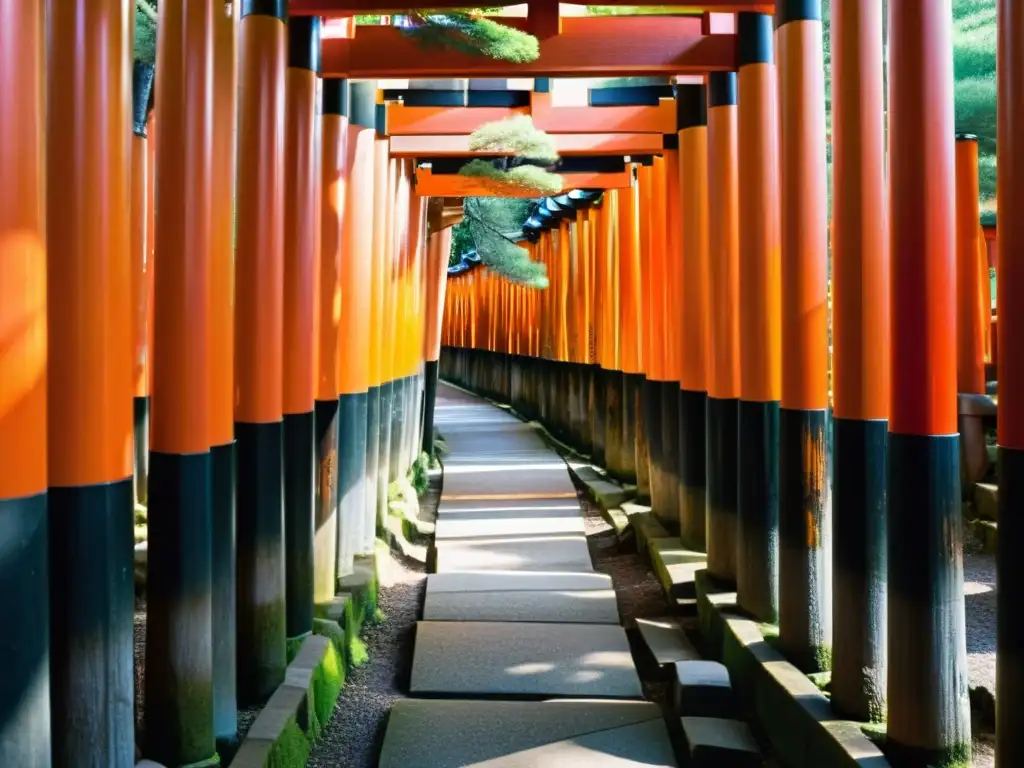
x=980, y=602
x=353, y=736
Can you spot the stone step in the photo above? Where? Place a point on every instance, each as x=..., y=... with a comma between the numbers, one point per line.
x=985, y=534
x=703, y=689
x=676, y=567
x=551, y=606
x=526, y=553
x=717, y=743
x=666, y=641
x=518, y=660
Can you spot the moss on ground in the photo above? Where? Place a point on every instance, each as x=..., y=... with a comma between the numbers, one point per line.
x=328, y=679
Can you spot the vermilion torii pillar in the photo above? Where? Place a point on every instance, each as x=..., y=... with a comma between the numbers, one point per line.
x=723, y=326
x=259, y=323
x=221, y=330
x=860, y=294
x=928, y=713
x=805, y=599
x=334, y=182
x=692, y=121
x=439, y=245
x=25, y=691
x=971, y=310
x=179, y=657
x=760, y=346
x=301, y=263
x=348, y=226
x=89, y=397
x=1010, y=277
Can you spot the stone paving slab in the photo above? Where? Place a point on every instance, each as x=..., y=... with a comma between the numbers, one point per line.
x=591, y=606
x=551, y=553
x=513, y=524
x=517, y=506
x=666, y=641
x=515, y=581
x=530, y=480
x=535, y=660
x=510, y=734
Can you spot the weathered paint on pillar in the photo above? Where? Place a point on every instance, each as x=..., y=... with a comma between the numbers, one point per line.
x=89, y=395
x=259, y=324
x=667, y=171
x=692, y=122
x=24, y=576
x=860, y=317
x=805, y=519
x=221, y=329
x=142, y=80
x=972, y=306
x=348, y=227
x=723, y=326
x=439, y=246
x=1010, y=269
x=630, y=332
x=301, y=263
x=928, y=712
x=179, y=652
x=760, y=341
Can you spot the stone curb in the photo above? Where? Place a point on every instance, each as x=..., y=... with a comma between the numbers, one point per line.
x=799, y=721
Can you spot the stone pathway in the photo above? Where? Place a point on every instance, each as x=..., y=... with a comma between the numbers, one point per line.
x=516, y=615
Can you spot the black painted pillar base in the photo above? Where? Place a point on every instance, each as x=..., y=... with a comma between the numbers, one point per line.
x=261, y=561
x=299, y=485
x=859, y=562
x=641, y=452
x=179, y=607
x=225, y=697
x=396, y=466
x=373, y=430
x=430, y=377
x=722, y=461
x=599, y=451
x=325, y=503
x=670, y=456
x=627, y=425
x=92, y=605
x=140, y=409
x=387, y=398
x=757, y=508
x=352, y=478
x=928, y=721
x=1010, y=627
x=612, y=401
x=805, y=539
x=651, y=406
x=24, y=594
x=693, y=469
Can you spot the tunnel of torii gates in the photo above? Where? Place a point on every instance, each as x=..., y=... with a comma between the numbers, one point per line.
x=279, y=359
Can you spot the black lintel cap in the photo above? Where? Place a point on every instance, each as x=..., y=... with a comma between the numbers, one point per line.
x=276, y=8
x=304, y=42
x=691, y=106
x=335, y=96
x=797, y=10
x=721, y=89
x=755, y=34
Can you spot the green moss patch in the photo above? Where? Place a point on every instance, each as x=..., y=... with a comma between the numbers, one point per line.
x=291, y=750
x=328, y=679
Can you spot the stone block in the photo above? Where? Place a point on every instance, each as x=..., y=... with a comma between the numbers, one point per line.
x=718, y=743
x=666, y=641
x=676, y=567
x=986, y=501
x=703, y=689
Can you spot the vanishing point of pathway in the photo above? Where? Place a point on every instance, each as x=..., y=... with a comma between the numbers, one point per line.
x=520, y=659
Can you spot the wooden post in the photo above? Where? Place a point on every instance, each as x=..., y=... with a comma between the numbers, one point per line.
x=860, y=311
x=692, y=122
x=929, y=712
x=1010, y=272
x=179, y=655
x=805, y=518
x=221, y=329
x=24, y=573
x=760, y=343
x=970, y=308
x=723, y=326
x=89, y=395
x=259, y=324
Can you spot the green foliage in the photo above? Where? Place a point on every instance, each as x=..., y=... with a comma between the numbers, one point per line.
x=516, y=135
x=291, y=750
x=357, y=653
x=473, y=34
x=492, y=222
x=328, y=679
x=528, y=178
x=974, y=70
x=144, y=48
x=419, y=475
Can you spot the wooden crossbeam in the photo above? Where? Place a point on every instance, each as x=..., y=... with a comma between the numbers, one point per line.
x=455, y=185
x=594, y=46
x=565, y=144
x=350, y=7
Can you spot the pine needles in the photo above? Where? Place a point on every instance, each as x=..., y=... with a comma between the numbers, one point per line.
x=472, y=34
